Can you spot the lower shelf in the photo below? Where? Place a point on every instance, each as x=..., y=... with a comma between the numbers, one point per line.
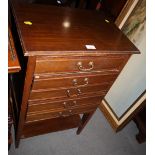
x=50, y=125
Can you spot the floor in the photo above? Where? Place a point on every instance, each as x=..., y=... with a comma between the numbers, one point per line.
x=98, y=138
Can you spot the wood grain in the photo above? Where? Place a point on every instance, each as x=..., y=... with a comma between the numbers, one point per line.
x=68, y=92
x=63, y=64
x=67, y=31
x=68, y=81
x=27, y=87
x=43, y=115
x=50, y=125
x=64, y=104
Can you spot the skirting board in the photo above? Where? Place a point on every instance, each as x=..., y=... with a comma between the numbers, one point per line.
x=118, y=124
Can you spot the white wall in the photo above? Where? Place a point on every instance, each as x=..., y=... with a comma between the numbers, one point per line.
x=131, y=82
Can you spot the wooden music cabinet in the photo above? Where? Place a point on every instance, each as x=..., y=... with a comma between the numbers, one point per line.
x=70, y=60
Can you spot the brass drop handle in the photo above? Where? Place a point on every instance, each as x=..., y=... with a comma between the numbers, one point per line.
x=79, y=91
x=65, y=104
x=75, y=83
x=70, y=111
x=60, y=113
x=74, y=95
x=74, y=102
x=64, y=115
x=81, y=68
x=86, y=81
x=69, y=94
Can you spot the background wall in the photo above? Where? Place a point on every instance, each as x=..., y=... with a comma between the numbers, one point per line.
x=132, y=80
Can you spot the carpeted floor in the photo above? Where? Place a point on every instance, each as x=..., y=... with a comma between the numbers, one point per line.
x=98, y=138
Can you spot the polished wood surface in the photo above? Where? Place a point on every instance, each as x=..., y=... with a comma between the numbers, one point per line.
x=27, y=87
x=60, y=68
x=50, y=125
x=80, y=64
x=65, y=31
x=44, y=115
x=41, y=82
x=64, y=104
x=68, y=92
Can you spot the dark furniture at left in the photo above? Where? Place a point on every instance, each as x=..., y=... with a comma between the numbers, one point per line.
x=13, y=67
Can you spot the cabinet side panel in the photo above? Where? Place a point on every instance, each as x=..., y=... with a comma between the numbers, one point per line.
x=27, y=87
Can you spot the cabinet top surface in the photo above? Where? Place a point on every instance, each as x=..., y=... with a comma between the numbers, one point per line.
x=63, y=31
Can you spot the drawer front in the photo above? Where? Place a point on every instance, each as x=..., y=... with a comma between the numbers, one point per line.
x=58, y=113
x=82, y=64
x=65, y=104
x=71, y=81
x=68, y=93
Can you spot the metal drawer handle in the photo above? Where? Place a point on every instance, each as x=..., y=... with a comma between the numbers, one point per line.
x=70, y=111
x=75, y=83
x=79, y=92
x=65, y=104
x=74, y=95
x=81, y=68
x=65, y=115
x=74, y=103
x=60, y=113
x=69, y=94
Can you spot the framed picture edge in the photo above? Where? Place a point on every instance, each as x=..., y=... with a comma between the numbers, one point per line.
x=125, y=12
x=118, y=124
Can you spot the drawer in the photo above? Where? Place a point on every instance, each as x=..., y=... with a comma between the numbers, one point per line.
x=68, y=93
x=59, y=113
x=40, y=82
x=79, y=64
x=64, y=104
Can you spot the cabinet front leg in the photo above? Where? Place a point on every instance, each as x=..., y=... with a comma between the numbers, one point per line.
x=86, y=117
